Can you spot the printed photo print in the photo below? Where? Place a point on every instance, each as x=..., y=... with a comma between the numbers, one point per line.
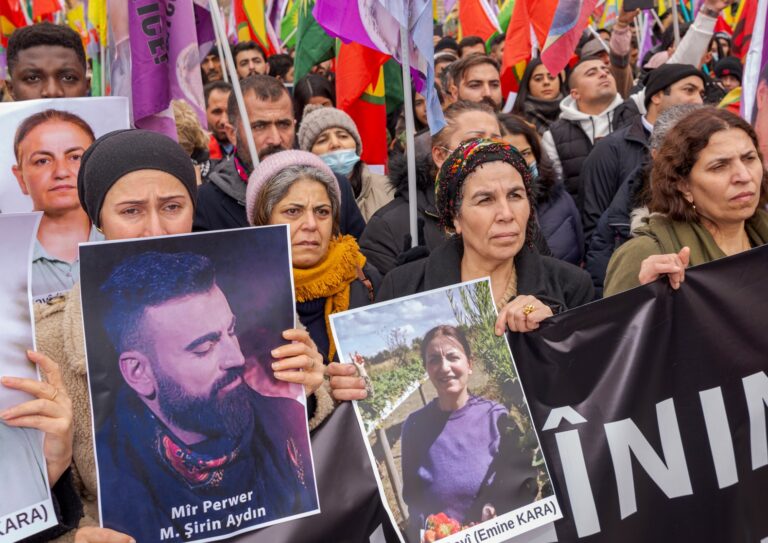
x=25, y=496
x=447, y=424
x=195, y=438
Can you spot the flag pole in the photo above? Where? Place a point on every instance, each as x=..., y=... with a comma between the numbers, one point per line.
x=230, y=65
x=220, y=47
x=675, y=23
x=410, y=129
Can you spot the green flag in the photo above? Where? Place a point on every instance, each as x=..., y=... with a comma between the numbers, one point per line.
x=313, y=45
x=505, y=14
x=393, y=85
x=290, y=24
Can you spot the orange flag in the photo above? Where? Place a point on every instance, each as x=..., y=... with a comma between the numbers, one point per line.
x=527, y=16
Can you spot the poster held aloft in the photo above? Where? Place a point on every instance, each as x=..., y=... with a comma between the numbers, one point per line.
x=447, y=425
x=25, y=499
x=189, y=422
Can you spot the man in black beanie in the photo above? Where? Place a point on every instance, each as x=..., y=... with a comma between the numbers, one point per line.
x=729, y=71
x=617, y=156
x=210, y=67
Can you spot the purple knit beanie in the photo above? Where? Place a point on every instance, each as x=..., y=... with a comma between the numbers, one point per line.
x=274, y=164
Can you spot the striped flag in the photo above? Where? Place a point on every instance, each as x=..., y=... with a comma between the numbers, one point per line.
x=569, y=22
x=529, y=18
x=253, y=24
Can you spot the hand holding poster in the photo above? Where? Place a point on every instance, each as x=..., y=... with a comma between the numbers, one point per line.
x=447, y=425
x=25, y=497
x=195, y=439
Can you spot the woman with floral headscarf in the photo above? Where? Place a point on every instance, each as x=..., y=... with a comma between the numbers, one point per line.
x=483, y=197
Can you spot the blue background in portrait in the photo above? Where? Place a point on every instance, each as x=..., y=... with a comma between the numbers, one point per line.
x=252, y=269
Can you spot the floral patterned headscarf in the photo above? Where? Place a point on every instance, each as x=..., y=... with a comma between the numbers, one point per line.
x=465, y=159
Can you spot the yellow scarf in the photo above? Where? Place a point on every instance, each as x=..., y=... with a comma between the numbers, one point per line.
x=330, y=279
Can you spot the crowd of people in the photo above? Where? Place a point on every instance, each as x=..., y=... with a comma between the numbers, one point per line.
x=609, y=175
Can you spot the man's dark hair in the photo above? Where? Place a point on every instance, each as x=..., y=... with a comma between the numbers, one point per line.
x=461, y=66
x=498, y=39
x=581, y=61
x=222, y=86
x=447, y=42
x=266, y=87
x=446, y=76
x=248, y=46
x=45, y=33
x=668, y=36
x=148, y=280
x=279, y=65
x=470, y=41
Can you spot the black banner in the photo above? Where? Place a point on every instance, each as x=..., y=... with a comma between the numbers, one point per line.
x=651, y=407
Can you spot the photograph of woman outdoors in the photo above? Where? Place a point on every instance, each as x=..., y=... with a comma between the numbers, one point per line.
x=439, y=440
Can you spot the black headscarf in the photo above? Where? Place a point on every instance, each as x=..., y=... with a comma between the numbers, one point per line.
x=121, y=152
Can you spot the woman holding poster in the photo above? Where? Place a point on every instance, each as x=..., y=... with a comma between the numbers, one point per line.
x=438, y=440
x=483, y=197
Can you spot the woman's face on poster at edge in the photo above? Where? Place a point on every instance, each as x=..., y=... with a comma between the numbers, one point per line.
x=307, y=209
x=494, y=213
x=146, y=203
x=448, y=366
x=49, y=160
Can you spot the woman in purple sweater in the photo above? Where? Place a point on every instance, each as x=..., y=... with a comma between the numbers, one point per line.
x=460, y=453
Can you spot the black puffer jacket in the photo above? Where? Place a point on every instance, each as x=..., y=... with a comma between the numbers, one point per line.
x=613, y=228
x=611, y=162
x=387, y=233
x=560, y=285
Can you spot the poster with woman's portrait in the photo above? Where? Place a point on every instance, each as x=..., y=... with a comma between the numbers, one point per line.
x=195, y=438
x=32, y=143
x=447, y=424
x=25, y=496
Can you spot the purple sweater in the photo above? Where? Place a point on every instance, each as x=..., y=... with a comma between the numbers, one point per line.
x=446, y=456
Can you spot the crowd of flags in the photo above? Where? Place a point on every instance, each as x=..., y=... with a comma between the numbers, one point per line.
x=363, y=44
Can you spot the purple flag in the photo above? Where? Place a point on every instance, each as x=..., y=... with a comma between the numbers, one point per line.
x=376, y=24
x=165, y=62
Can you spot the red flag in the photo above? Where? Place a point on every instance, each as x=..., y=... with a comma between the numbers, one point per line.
x=44, y=9
x=360, y=93
x=11, y=18
x=568, y=24
x=742, y=34
x=526, y=15
x=477, y=19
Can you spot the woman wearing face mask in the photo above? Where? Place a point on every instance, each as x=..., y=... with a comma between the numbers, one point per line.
x=332, y=135
x=556, y=211
x=132, y=184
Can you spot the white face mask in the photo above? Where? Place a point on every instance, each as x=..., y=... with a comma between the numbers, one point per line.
x=341, y=162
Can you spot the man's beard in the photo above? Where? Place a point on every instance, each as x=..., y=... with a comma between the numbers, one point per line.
x=244, y=155
x=214, y=415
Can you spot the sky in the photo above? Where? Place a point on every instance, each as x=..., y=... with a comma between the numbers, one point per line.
x=364, y=330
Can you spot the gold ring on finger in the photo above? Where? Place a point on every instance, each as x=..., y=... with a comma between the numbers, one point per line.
x=528, y=309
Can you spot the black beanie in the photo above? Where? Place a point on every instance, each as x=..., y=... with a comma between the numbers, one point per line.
x=666, y=75
x=121, y=152
x=729, y=66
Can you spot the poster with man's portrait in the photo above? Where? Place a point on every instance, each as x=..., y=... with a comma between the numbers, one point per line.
x=195, y=439
x=41, y=139
x=25, y=497
x=447, y=424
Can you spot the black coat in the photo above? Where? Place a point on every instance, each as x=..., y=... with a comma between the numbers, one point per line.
x=560, y=224
x=556, y=283
x=221, y=202
x=613, y=228
x=387, y=233
x=610, y=163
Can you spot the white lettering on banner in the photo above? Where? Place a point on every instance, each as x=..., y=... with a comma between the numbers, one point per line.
x=719, y=434
x=624, y=437
x=756, y=391
x=670, y=473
